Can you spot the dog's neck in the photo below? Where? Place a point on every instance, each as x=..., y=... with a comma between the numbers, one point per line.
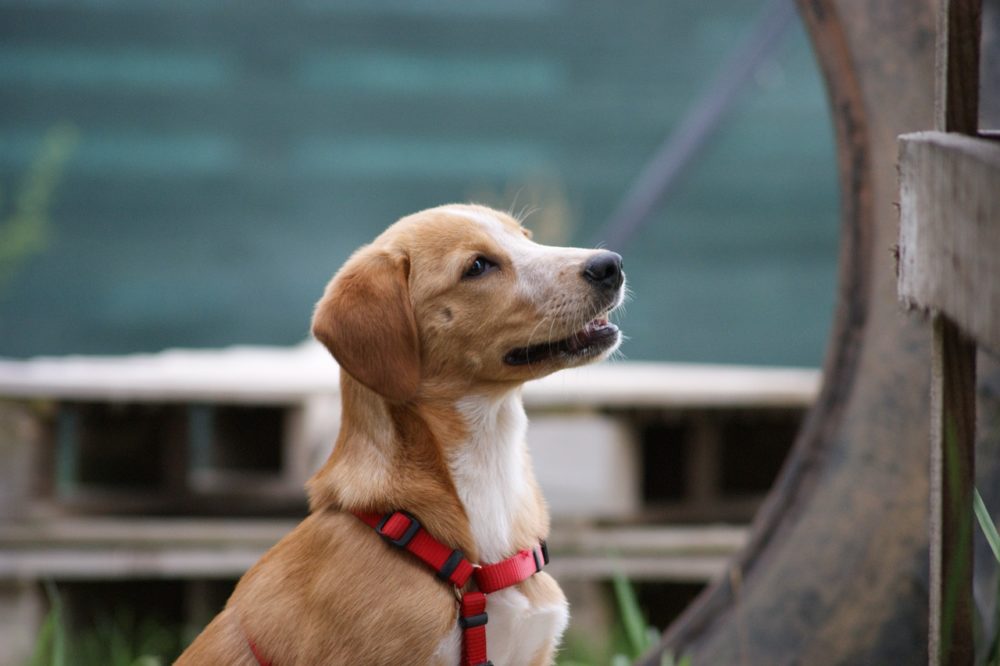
x=492, y=473
x=460, y=464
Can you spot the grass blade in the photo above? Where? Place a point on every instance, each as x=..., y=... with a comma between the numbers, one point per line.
x=631, y=615
x=43, y=642
x=986, y=523
x=58, y=630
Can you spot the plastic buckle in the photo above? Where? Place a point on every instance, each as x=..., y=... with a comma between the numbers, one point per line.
x=449, y=566
x=407, y=536
x=543, y=559
x=473, y=621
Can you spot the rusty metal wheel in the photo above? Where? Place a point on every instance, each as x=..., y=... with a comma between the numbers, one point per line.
x=836, y=568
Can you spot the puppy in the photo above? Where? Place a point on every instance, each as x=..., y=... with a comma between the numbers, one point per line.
x=435, y=325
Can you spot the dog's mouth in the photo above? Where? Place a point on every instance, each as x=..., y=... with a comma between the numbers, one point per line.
x=594, y=339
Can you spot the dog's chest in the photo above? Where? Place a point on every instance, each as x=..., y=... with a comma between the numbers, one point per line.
x=517, y=632
x=492, y=478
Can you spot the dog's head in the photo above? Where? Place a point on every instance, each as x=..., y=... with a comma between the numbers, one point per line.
x=459, y=296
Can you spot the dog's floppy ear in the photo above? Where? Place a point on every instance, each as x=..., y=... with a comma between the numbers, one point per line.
x=366, y=321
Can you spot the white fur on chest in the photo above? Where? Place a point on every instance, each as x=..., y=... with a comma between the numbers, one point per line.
x=489, y=471
x=518, y=632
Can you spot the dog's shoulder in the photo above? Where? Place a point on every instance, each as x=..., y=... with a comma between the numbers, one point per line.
x=337, y=589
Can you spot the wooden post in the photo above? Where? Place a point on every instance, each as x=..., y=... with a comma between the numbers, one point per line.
x=953, y=375
x=20, y=441
x=953, y=418
x=704, y=454
x=956, y=77
x=950, y=265
x=67, y=457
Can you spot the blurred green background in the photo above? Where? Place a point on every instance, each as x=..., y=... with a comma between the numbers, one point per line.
x=190, y=173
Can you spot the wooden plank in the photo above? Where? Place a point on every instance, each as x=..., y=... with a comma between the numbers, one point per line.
x=20, y=444
x=674, y=385
x=105, y=549
x=956, y=77
x=953, y=418
x=950, y=229
x=952, y=236
x=287, y=376
x=181, y=532
x=126, y=531
x=251, y=375
x=704, y=462
x=660, y=568
x=22, y=609
x=67, y=458
x=709, y=539
x=124, y=564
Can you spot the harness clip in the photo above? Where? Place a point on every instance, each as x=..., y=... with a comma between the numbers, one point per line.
x=449, y=566
x=541, y=555
x=407, y=535
x=468, y=622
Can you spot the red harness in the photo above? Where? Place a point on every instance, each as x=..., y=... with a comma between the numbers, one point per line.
x=402, y=530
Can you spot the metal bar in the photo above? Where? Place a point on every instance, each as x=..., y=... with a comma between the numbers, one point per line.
x=700, y=122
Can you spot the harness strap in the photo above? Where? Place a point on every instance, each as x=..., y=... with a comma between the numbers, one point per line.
x=256, y=653
x=515, y=569
x=404, y=531
x=472, y=619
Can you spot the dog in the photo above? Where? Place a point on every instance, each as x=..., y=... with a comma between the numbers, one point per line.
x=435, y=325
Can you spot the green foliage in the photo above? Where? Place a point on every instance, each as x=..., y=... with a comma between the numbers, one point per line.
x=50, y=645
x=637, y=631
x=25, y=231
x=990, y=531
x=668, y=660
x=641, y=636
x=117, y=640
x=631, y=638
x=120, y=640
x=986, y=523
x=953, y=584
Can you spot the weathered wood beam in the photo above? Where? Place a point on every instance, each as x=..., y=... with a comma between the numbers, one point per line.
x=956, y=78
x=953, y=419
x=116, y=549
x=943, y=269
x=950, y=229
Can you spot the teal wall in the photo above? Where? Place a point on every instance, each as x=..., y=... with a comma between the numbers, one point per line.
x=190, y=173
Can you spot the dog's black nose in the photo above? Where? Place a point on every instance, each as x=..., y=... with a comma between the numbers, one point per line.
x=604, y=270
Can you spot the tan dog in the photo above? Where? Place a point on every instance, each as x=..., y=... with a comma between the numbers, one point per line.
x=435, y=326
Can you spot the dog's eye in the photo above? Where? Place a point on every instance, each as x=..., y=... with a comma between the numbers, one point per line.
x=478, y=267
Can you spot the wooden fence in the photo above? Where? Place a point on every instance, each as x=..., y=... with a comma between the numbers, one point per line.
x=950, y=266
